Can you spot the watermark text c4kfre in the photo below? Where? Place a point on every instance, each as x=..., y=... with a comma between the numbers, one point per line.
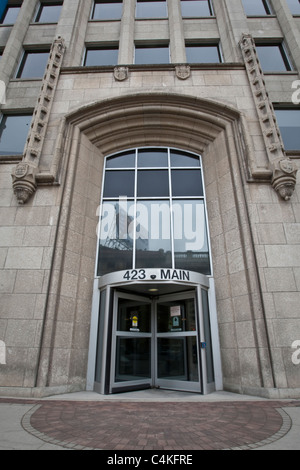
x=296, y=94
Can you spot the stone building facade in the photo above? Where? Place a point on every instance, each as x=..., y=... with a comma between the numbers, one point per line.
x=83, y=81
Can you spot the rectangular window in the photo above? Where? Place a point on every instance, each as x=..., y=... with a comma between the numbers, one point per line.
x=107, y=10
x=273, y=58
x=206, y=54
x=196, y=8
x=48, y=13
x=13, y=133
x=289, y=124
x=33, y=64
x=10, y=14
x=151, y=9
x=152, y=55
x=294, y=6
x=101, y=56
x=257, y=7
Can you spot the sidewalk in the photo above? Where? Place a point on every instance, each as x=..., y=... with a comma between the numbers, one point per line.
x=149, y=420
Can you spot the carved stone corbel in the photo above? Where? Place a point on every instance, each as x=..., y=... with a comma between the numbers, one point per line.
x=284, y=178
x=282, y=168
x=24, y=175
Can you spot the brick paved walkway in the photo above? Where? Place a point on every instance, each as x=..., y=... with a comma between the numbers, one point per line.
x=158, y=426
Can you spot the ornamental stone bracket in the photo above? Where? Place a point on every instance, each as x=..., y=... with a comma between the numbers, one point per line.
x=283, y=169
x=24, y=176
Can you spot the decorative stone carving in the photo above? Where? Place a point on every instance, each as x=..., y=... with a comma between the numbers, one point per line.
x=284, y=173
x=24, y=175
x=183, y=72
x=121, y=73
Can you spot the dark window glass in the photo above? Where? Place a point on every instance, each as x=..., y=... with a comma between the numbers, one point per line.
x=116, y=237
x=48, y=13
x=203, y=54
x=153, y=237
x=152, y=158
x=33, y=64
x=153, y=183
x=125, y=160
x=196, y=8
x=10, y=15
x=119, y=183
x=13, y=134
x=101, y=56
x=186, y=183
x=294, y=6
x=151, y=9
x=289, y=123
x=107, y=10
x=180, y=159
x=152, y=55
x=256, y=7
x=273, y=58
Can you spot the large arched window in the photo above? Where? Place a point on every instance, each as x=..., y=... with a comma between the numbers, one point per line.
x=153, y=212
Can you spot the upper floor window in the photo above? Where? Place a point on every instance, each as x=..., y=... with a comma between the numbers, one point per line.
x=151, y=9
x=107, y=10
x=200, y=53
x=294, y=6
x=13, y=133
x=159, y=54
x=48, y=12
x=33, y=64
x=257, y=7
x=10, y=14
x=289, y=124
x=273, y=58
x=153, y=212
x=196, y=8
x=101, y=56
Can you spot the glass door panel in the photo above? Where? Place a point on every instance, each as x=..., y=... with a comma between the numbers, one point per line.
x=177, y=359
x=133, y=359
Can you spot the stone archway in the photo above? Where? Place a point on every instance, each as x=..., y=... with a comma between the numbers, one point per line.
x=214, y=130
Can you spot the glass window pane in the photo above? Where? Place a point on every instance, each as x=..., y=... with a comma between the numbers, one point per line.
x=190, y=236
x=125, y=160
x=289, y=123
x=133, y=359
x=151, y=9
x=177, y=359
x=115, y=237
x=203, y=54
x=256, y=8
x=152, y=55
x=13, y=134
x=272, y=58
x=294, y=6
x=134, y=316
x=153, y=234
x=153, y=183
x=176, y=316
x=152, y=158
x=48, y=14
x=195, y=8
x=10, y=15
x=107, y=10
x=118, y=184
x=181, y=159
x=33, y=65
x=187, y=183
x=107, y=56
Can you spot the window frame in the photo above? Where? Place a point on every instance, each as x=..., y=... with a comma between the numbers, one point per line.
x=108, y=47
x=7, y=8
x=40, y=8
x=286, y=60
x=280, y=107
x=98, y=2
x=210, y=7
x=216, y=45
x=267, y=7
x=155, y=17
x=152, y=46
x=22, y=63
x=3, y=119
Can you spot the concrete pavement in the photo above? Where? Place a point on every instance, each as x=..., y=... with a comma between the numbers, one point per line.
x=153, y=419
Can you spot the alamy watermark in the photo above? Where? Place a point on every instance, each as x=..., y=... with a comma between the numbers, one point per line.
x=2, y=353
x=296, y=94
x=296, y=354
x=2, y=92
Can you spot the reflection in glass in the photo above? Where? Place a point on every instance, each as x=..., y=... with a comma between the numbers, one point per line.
x=181, y=159
x=107, y=56
x=110, y=10
x=48, y=13
x=152, y=158
x=115, y=237
x=124, y=160
x=176, y=316
x=33, y=64
x=133, y=359
x=203, y=54
x=177, y=359
x=289, y=124
x=187, y=183
x=153, y=239
x=148, y=9
x=190, y=236
x=153, y=183
x=256, y=7
x=118, y=184
x=13, y=134
x=152, y=55
x=134, y=316
x=273, y=58
x=196, y=8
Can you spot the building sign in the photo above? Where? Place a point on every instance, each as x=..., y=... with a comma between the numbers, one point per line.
x=161, y=275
